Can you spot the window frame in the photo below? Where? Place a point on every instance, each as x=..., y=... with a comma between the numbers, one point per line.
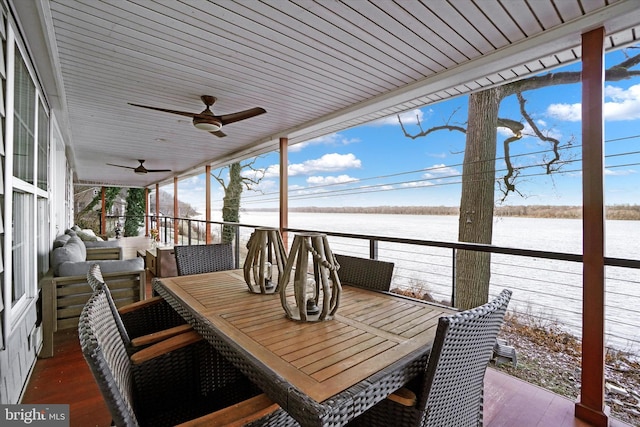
x=15, y=310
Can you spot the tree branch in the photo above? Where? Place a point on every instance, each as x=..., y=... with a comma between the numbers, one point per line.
x=616, y=72
x=430, y=130
x=554, y=142
x=219, y=179
x=512, y=173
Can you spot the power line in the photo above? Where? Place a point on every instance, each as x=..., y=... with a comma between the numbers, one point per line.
x=380, y=187
x=406, y=185
x=436, y=168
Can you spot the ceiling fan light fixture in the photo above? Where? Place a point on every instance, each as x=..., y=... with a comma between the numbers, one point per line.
x=207, y=125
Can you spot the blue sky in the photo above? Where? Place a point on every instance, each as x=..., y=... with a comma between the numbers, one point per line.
x=376, y=164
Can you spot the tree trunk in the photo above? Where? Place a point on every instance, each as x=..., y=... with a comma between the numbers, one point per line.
x=473, y=269
x=231, y=202
x=135, y=211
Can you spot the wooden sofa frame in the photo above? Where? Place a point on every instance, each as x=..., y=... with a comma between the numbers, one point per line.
x=63, y=298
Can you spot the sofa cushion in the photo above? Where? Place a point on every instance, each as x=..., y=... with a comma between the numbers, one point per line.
x=108, y=266
x=61, y=240
x=87, y=235
x=75, y=241
x=67, y=253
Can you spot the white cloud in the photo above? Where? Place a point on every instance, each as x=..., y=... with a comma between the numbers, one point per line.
x=408, y=118
x=624, y=104
x=272, y=171
x=327, y=163
x=440, y=171
x=416, y=184
x=565, y=112
x=328, y=180
x=619, y=172
x=264, y=186
x=252, y=174
x=331, y=139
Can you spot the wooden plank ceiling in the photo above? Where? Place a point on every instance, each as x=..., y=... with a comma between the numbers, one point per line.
x=317, y=67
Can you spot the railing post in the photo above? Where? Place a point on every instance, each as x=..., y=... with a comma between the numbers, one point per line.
x=373, y=249
x=453, y=277
x=237, y=248
x=164, y=220
x=189, y=231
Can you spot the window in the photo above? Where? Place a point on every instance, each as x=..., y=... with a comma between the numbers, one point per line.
x=22, y=249
x=43, y=147
x=23, y=122
x=30, y=212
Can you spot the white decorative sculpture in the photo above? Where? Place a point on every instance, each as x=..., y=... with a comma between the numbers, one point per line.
x=265, y=262
x=316, y=296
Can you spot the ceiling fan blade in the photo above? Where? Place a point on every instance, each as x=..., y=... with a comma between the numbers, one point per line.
x=120, y=166
x=241, y=115
x=218, y=133
x=182, y=113
x=158, y=170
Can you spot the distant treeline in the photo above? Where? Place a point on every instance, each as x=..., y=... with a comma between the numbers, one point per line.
x=621, y=212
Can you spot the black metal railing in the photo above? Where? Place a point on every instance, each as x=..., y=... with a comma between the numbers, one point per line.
x=547, y=285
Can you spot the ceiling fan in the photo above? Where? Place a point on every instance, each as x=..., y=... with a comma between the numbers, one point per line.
x=208, y=121
x=141, y=170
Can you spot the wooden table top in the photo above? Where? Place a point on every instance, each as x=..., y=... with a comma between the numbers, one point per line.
x=370, y=331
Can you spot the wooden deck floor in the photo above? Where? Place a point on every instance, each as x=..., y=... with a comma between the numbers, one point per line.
x=65, y=378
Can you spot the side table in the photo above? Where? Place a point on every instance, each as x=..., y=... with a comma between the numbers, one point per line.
x=161, y=261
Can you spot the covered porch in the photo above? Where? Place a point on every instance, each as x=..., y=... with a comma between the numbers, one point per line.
x=316, y=68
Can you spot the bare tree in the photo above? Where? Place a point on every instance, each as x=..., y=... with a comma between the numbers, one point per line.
x=475, y=222
x=233, y=187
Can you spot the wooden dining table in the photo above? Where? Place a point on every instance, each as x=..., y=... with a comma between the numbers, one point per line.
x=322, y=373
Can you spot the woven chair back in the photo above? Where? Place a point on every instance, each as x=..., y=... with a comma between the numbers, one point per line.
x=364, y=272
x=197, y=259
x=97, y=283
x=107, y=357
x=452, y=391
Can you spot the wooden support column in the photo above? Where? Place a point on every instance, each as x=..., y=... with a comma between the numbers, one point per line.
x=591, y=407
x=284, y=189
x=207, y=215
x=176, y=211
x=146, y=212
x=157, y=213
x=103, y=211
x=158, y=207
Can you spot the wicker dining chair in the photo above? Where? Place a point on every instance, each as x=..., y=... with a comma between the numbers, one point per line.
x=143, y=322
x=450, y=391
x=365, y=273
x=183, y=379
x=197, y=259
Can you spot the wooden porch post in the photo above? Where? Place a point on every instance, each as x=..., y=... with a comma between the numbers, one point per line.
x=591, y=407
x=175, y=210
x=158, y=207
x=284, y=189
x=207, y=215
x=103, y=211
x=146, y=212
